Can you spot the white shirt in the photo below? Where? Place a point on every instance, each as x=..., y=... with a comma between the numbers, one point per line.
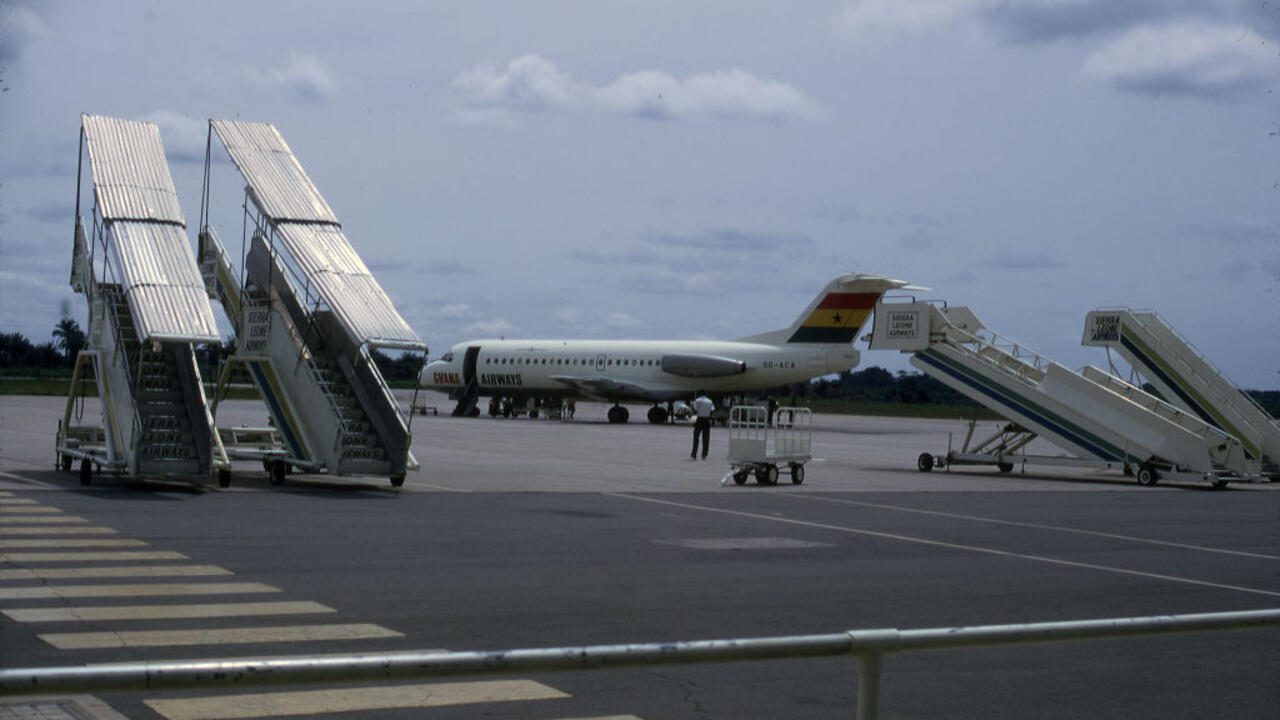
x=703, y=406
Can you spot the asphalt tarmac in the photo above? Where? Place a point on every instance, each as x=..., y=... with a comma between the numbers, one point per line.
x=538, y=533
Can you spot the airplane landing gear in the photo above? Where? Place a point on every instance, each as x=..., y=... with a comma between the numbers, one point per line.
x=618, y=415
x=657, y=415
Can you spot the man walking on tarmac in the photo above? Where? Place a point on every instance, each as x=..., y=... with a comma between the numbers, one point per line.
x=702, y=407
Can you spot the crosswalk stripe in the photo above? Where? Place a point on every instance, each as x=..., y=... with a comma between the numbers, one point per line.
x=91, y=556
x=40, y=519
x=222, y=636
x=59, y=530
x=135, y=590
x=70, y=543
x=313, y=702
x=164, y=612
x=25, y=509
x=119, y=571
x=17, y=501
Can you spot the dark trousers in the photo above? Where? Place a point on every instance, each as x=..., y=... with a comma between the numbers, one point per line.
x=701, y=428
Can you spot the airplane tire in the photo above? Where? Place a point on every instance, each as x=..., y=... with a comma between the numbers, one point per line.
x=475, y=412
x=924, y=463
x=1147, y=475
x=86, y=472
x=397, y=480
x=797, y=474
x=657, y=415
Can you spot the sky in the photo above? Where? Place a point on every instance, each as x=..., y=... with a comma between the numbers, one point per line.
x=700, y=169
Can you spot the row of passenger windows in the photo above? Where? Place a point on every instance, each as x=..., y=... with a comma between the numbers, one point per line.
x=633, y=362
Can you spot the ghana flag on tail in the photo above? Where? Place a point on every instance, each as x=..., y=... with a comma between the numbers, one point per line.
x=837, y=318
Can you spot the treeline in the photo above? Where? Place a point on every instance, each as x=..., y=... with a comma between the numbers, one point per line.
x=17, y=353
x=878, y=385
x=19, y=356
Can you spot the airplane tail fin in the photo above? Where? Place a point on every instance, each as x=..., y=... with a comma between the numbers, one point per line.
x=837, y=314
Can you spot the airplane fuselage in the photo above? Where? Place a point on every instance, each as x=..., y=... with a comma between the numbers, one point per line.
x=620, y=370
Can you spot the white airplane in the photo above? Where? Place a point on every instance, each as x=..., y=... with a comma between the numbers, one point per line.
x=819, y=342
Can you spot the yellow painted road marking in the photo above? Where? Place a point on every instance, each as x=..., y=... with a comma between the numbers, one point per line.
x=60, y=530
x=249, y=659
x=16, y=501
x=119, y=571
x=91, y=556
x=136, y=590
x=313, y=702
x=28, y=509
x=164, y=612
x=1034, y=526
x=5, y=493
x=70, y=543
x=951, y=546
x=34, y=519
x=223, y=636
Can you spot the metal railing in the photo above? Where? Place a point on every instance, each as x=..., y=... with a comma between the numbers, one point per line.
x=869, y=646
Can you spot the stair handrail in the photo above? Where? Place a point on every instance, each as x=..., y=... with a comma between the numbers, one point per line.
x=1137, y=316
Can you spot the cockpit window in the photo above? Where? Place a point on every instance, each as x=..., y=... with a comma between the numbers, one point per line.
x=448, y=357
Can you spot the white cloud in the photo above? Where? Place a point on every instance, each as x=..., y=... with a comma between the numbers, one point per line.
x=184, y=137
x=19, y=27
x=880, y=20
x=488, y=328
x=622, y=320
x=305, y=76
x=1186, y=58
x=459, y=311
x=532, y=83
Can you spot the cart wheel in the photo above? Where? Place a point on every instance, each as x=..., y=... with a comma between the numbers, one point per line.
x=397, y=480
x=740, y=477
x=924, y=463
x=266, y=464
x=797, y=473
x=64, y=461
x=1004, y=467
x=279, y=469
x=767, y=474
x=86, y=471
x=1219, y=484
x=224, y=477
x=1147, y=475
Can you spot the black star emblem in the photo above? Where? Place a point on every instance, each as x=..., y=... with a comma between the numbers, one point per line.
x=837, y=318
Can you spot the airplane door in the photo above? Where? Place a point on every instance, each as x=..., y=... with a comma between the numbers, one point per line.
x=600, y=362
x=469, y=364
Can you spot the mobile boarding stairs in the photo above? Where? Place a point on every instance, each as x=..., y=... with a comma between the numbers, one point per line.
x=1100, y=420
x=146, y=309
x=1185, y=377
x=306, y=313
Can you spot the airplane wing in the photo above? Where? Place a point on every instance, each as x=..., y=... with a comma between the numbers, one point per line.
x=600, y=387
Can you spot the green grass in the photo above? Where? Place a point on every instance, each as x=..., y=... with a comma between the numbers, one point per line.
x=61, y=386
x=908, y=410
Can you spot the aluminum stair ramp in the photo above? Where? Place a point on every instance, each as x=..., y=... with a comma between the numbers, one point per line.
x=1186, y=378
x=146, y=309
x=307, y=314
x=1099, y=423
